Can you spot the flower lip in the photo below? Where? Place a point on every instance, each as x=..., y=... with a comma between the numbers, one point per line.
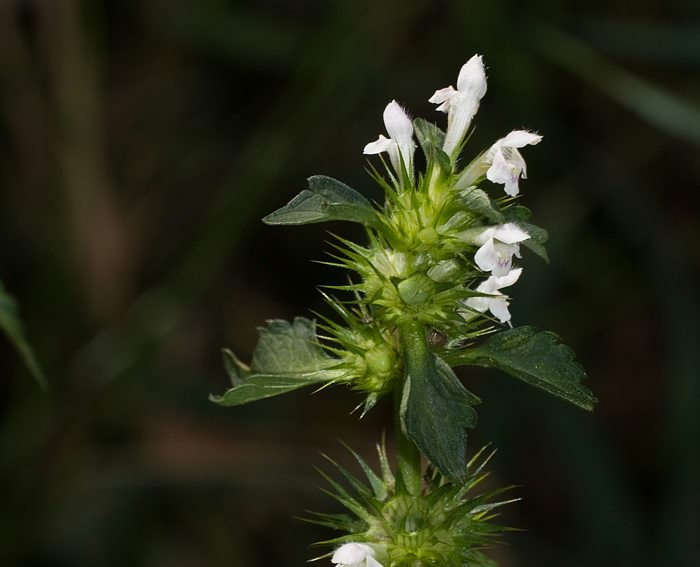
x=400, y=145
x=507, y=164
x=497, y=304
x=502, y=162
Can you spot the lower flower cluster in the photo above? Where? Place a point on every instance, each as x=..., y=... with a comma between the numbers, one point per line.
x=444, y=525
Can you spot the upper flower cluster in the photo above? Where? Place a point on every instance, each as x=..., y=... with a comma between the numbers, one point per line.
x=440, y=251
x=443, y=215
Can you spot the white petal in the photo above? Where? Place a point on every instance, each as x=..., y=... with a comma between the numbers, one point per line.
x=504, y=253
x=486, y=257
x=382, y=144
x=442, y=97
x=351, y=553
x=511, y=186
x=510, y=233
x=488, y=286
x=519, y=139
x=499, y=308
x=472, y=78
x=462, y=109
x=514, y=158
x=397, y=122
x=480, y=304
x=502, y=171
x=508, y=279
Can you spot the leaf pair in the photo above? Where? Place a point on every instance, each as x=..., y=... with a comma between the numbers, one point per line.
x=436, y=408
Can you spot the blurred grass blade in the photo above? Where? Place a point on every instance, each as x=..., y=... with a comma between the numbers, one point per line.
x=657, y=106
x=11, y=326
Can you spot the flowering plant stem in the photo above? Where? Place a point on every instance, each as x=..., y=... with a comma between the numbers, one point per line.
x=426, y=290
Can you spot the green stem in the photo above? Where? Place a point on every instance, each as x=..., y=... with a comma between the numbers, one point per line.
x=407, y=454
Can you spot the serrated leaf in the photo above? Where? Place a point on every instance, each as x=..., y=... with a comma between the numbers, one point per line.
x=519, y=215
x=11, y=326
x=536, y=357
x=430, y=137
x=288, y=357
x=478, y=201
x=538, y=236
x=435, y=407
x=326, y=199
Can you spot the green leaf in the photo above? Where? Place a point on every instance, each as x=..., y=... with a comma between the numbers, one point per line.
x=435, y=406
x=236, y=370
x=13, y=329
x=430, y=137
x=520, y=215
x=536, y=357
x=477, y=200
x=538, y=236
x=517, y=213
x=326, y=199
x=288, y=357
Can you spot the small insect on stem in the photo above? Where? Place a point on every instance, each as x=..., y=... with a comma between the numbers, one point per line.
x=437, y=338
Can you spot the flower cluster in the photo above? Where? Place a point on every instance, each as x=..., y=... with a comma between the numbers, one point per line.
x=442, y=248
x=437, y=230
x=444, y=525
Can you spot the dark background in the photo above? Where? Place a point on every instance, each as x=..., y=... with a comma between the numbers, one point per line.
x=142, y=140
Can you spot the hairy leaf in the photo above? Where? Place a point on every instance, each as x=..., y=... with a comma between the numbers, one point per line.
x=326, y=199
x=520, y=215
x=478, y=201
x=13, y=329
x=538, y=237
x=430, y=137
x=536, y=357
x=435, y=407
x=288, y=357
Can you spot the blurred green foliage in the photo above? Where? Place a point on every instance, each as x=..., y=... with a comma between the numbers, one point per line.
x=141, y=141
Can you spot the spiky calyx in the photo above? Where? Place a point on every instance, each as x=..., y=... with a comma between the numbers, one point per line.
x=446, y=524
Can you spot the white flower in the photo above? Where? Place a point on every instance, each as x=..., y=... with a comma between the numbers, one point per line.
x=461, y=104
x=400, y=142
x=508, y=165
x=355, y=555
x=498, y=303
x=498, y=245
x=502, y=162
